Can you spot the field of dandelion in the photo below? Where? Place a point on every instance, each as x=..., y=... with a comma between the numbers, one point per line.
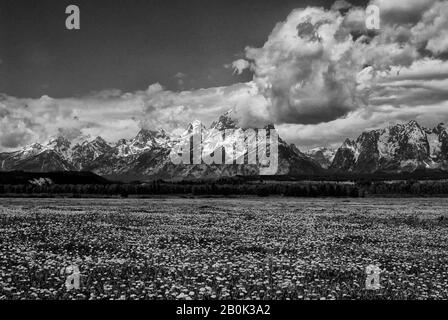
x=241, y=248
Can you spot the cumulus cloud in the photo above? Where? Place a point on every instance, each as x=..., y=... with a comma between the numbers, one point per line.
x=402, y=11
x=173, y=110
x=333, y=133
x=180, y=78
x=341, y=5
x=240, y=65
x=114, y=114
x=432, y=30
x=25, y=120
x=325, y=76
x=309, y=67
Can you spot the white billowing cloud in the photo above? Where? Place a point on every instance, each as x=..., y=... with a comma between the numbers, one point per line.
x=302, y=68
x=425, y=82
x=333, y=133
x=25, y=120
x=180, y=77
x=321, y=70
x=417, y=92
x=173, y=110
x=433, y=28
x=402, y=11
x=309, y=67
x=113, y=114
x=340, y=5
x=403, y=6
x=240, y=65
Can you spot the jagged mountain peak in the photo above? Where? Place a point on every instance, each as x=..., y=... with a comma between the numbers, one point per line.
x=59, y=145
x=441, y=127
x=323, y=150
x=348, y=143
x=225, y=121
x=144, y=135
x=88, y=141
x=58, y=141
x=317, y=149
x=162, y=133
x=295, y=148
x=146, y=140
x=99, y=139
x=35, y=145
x=399, y=147
x=324, y=156
x=121, y=142
x=147, y=134
x=196, y=125
x=412, y=123
x=149, y=139
x=89, y=150
x=412, y=126
x=399, y=125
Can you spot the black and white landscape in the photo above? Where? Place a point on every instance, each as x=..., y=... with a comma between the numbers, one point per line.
x=98, y=97
x=397, y=148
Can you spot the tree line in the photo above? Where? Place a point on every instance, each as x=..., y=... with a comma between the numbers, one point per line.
x=235, y=187
x=207, y=188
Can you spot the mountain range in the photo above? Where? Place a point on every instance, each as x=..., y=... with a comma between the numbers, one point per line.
x=147, y=155
x=397, y=148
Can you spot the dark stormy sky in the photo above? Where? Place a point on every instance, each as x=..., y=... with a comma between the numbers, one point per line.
x=310, y=67
x=130, y=44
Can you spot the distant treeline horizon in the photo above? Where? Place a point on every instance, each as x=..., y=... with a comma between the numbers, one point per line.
x=87, y=177
x=79, y=184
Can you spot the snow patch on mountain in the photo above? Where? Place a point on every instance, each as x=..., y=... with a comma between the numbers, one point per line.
x=324, y=156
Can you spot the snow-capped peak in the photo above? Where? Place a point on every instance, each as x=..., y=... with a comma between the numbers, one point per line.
x=58, y=142
x=324, y=156
x=225, y=121
x=99, y=139
x=89, y=150
x=143, y=135
x=145, y=140
x=194, y=126
x=399, y=147
x=327, y=152
x=60, y=145
x=348, y=144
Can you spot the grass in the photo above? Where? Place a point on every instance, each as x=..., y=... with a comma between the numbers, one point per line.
x=254, y=248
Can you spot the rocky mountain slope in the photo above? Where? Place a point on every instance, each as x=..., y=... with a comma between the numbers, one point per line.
x=323, y=156
x=397, y=148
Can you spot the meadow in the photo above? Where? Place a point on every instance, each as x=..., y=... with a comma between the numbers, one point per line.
x=221, y=248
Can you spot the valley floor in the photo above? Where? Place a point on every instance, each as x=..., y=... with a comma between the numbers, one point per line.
x=239, y=248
